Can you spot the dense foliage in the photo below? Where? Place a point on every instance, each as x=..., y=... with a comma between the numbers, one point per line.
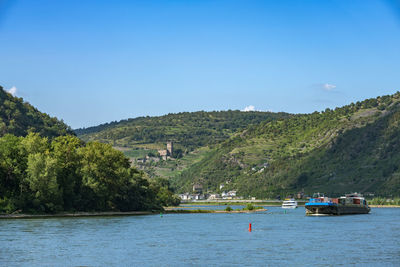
x=190, y=130
x=384, y=201
x=19, y=118
x=64, y=174
x=353, y=148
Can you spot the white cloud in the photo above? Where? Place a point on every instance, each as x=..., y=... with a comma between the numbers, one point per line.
x=328, y=87
x=249, y=108
x=12, y=90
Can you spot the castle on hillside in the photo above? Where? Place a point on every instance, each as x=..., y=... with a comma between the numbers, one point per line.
x=170, y=148
x=167, y=153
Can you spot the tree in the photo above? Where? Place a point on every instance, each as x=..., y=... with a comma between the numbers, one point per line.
x=104, y=171
x=65, y=152
x=42, y=179
x=164, y=192
x=137, y=194
x=12, y=165
x=33, y=143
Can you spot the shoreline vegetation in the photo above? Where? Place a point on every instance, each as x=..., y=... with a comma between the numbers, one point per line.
x=167, y=210
x=76, y=214
x=117, y=213
x=54, y=176
x=238, y=203
x=384, y=206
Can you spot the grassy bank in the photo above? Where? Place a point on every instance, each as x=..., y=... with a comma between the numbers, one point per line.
x=76, y=214
x=272, y=203
x=168, y=210
x=379, y=201
x=214, y=211
x=384, y=206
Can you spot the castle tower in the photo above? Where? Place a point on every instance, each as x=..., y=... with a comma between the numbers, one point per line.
x=170, y=148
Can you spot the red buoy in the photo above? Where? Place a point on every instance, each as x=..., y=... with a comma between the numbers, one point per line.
x=249, y=227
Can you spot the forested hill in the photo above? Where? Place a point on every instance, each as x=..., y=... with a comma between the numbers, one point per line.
x=18, y=118
x=353, y=148
x=190, y=130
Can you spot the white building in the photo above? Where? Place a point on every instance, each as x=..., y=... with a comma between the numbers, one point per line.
x=232, y=193
x=214, y=196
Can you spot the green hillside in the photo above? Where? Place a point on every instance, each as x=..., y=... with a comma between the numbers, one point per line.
x=19, y=118
x=353, y=148
x=189, y=130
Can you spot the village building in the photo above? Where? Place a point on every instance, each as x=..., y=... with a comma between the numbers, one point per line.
x=232, y=193
x=199, y=197
x=198, y=188
x=163, y=154
x=214, y=196
x=185, y=196
x=228, y=195
x=188, y=197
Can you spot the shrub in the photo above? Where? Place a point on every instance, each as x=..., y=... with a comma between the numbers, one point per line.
x=249, y=207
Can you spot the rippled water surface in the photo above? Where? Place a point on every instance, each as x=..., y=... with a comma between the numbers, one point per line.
x=277, y=239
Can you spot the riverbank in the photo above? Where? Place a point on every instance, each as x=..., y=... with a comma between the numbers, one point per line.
x=177, y=210
x=266, y=203
x=76, y=214
x=117, y=213
x=384, y=206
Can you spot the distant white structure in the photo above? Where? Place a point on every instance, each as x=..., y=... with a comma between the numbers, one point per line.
x=228, y=195
x=214, y=196
x=199, y=197
x=232, y=193
x=189, y=197
x=184, y=196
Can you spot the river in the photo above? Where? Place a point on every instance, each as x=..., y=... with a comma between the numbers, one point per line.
x=205, y=239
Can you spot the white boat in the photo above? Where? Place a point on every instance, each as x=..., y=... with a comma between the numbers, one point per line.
x=289, y=203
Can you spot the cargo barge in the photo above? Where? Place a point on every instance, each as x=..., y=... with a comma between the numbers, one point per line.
x=348, y=204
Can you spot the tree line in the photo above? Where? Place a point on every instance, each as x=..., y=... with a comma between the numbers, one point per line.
x=38, y=174
x=190, y=130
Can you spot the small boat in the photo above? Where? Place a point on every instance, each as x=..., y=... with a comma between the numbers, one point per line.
x=289, y=203
x=349, y=204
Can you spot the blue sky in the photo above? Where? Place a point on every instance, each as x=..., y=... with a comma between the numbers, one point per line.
x=90, y=62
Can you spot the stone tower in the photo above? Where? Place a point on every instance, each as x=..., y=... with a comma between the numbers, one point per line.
x=170, y=148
